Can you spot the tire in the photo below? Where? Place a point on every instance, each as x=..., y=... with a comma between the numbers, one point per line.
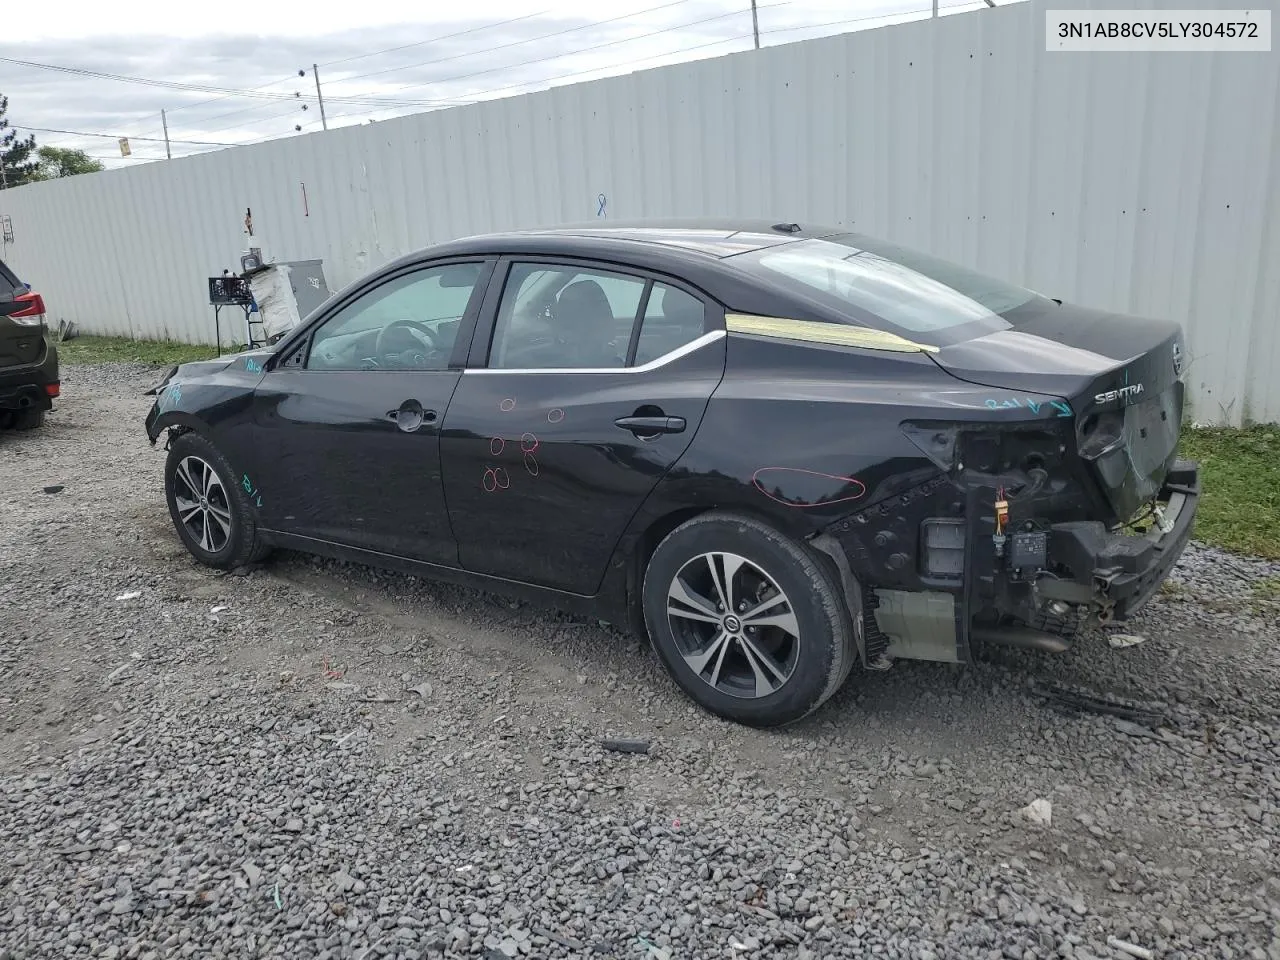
x=802, y=659
x=28, y=420
x=222, y=533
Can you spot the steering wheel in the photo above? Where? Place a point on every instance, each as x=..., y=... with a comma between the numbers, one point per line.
x=417, y=332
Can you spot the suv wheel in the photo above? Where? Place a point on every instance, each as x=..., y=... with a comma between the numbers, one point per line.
x=210, y=511
x=28, y=420
x=746, y=620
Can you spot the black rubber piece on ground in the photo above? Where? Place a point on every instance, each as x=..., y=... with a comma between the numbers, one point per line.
x=626, y=746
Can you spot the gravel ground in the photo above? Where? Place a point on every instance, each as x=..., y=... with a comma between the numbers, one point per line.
x=321, y=760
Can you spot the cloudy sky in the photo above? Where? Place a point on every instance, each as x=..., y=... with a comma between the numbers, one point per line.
x=227, y=78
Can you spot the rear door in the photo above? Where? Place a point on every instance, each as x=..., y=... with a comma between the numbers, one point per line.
x=19, y=342
x=587, y=382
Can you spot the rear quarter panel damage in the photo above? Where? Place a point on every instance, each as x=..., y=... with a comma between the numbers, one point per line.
x=811, y=439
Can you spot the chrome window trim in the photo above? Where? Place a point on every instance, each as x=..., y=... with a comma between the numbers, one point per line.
x=705, y=340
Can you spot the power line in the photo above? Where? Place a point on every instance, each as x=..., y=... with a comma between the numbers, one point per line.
x=229, y=96
x=113, y=136
x=387, y=102
x=378, y=101
x=447, y=36
x=581, y=50
x=517, y=43
x=427, y=104
x=485, y=93
x=578, y=73
x=475, y=98
x=145, y=81
x=364, y=56
x=878, y=16
x=258, y=94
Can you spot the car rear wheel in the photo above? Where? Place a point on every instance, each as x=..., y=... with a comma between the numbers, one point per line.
x=746, y=620
x=210, y=511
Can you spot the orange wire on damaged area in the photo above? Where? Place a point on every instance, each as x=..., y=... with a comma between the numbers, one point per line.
x=1002, y=519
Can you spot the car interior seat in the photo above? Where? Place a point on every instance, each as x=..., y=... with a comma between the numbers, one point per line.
x=585, y=324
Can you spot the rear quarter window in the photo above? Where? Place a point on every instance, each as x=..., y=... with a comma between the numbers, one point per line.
x=892, y=288
x=8, y=280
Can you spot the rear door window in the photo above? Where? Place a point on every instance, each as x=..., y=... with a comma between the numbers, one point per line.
x=565, y=317
x=562, y=316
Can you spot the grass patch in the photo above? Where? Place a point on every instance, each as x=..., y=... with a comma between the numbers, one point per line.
x=1240, y=477
x=160, y=353
x=1268, y=589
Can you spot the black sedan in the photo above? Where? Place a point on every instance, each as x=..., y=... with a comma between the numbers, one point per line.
x=775, y=451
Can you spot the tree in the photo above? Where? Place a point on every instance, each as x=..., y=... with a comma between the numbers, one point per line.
x=16, y=163
x=58, y=162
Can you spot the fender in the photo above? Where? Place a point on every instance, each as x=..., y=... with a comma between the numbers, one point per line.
x=223, y=384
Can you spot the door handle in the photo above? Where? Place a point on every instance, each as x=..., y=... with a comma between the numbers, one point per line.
x=651, y=425
x=410, y=415
x=428, y=416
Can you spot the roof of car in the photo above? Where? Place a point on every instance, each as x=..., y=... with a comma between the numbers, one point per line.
x=716, y=238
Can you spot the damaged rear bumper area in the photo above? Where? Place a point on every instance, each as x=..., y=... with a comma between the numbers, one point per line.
x=1116, y=573
x=1004, y=573
x=19, y=397
x=30, y=386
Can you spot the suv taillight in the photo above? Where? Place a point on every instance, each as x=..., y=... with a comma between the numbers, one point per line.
x=34, y=305
x=31, y=311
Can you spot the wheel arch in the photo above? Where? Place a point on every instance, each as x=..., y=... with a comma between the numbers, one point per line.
x=823, y=548
x=181, y=420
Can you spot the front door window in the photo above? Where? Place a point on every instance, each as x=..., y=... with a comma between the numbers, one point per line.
x=408, y=323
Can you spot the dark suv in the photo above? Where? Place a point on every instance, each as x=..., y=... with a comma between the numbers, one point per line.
x=28, y=357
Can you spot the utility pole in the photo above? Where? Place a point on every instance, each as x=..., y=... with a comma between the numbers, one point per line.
x=320, y=96
x=755, y=22
x=164, y=122
x=935, y=8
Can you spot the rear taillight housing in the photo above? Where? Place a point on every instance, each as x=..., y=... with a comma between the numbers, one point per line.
x=31, y=313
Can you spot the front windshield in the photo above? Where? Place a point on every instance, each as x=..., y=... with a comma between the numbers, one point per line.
x=907, y=291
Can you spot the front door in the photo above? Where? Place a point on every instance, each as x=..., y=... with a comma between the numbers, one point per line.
x=596, y=382
x=348, y=423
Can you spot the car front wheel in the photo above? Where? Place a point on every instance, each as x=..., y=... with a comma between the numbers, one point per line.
x=210, y=511
x=746, y=620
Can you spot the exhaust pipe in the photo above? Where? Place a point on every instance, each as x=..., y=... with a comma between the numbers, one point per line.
x=1021, y=637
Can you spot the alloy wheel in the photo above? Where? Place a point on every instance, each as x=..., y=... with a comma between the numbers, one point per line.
x=734, y=626
x=203, y=506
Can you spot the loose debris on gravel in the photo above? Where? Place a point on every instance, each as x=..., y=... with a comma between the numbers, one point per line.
x=321, y=760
